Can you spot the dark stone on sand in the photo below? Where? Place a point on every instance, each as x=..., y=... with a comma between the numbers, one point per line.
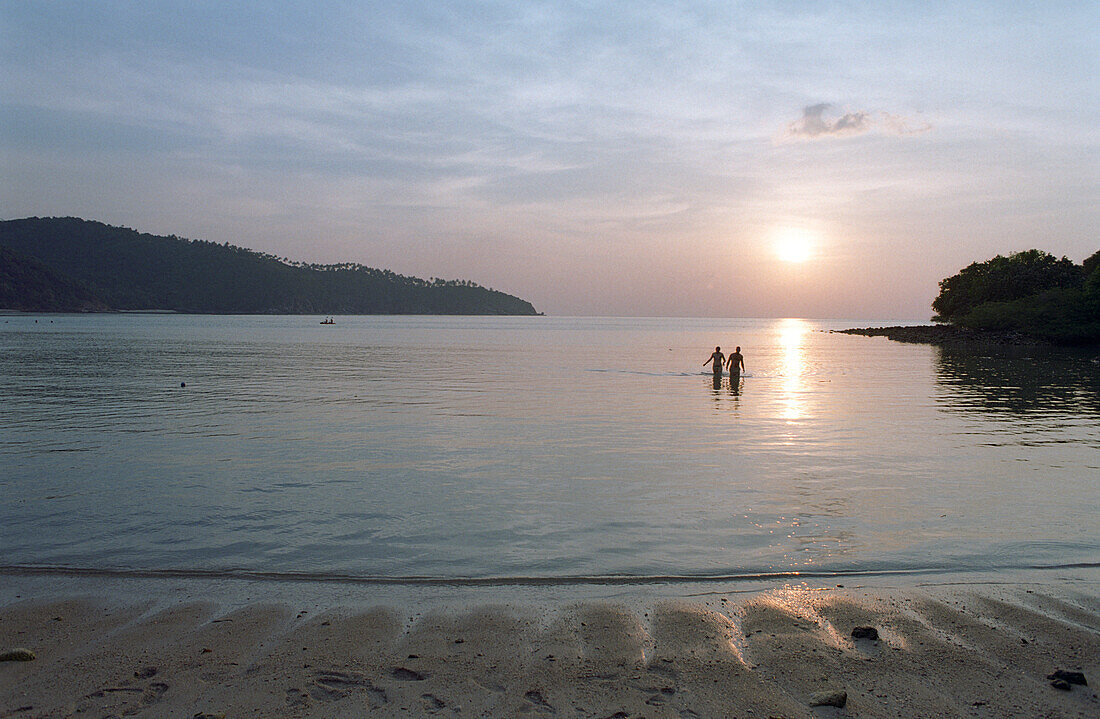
x=1061, y=684
x=865, y=633
x=835, y=698
x=183, y=384
x=1067, y=676
x=19, y=654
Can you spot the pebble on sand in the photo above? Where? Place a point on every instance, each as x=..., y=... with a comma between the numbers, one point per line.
x=1068, y=677
x=865, y=633
x=834, y=698
x=19, y=654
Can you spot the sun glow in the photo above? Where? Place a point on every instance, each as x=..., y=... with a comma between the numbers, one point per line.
x=794, y=244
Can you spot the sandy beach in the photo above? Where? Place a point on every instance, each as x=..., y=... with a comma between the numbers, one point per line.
x=944, y=649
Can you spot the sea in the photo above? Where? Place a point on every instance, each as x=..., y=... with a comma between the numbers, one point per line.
x=535, y=449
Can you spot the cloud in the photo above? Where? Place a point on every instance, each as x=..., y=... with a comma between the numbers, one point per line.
x=815, y=125
x=902, y=126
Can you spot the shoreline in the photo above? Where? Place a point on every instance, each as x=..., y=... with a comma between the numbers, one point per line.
x=277, y=577
x=19, y=313
x=951, y=335
x=982, y=646
x=945, y=334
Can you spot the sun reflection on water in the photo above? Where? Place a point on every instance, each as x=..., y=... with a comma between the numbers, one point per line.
x=792, y=333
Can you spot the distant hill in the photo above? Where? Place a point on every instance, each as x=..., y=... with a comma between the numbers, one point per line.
x=66, y=263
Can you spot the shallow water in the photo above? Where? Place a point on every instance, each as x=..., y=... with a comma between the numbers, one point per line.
x=535, y=447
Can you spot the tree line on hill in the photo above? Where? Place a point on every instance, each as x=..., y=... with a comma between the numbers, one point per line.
x=1032, y=293
x=71, y=264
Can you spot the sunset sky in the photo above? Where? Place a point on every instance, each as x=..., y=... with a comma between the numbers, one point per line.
x=706, y=158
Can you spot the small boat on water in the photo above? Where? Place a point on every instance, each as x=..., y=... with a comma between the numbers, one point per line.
x=328, y=321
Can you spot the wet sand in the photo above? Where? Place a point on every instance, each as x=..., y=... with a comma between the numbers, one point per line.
x=946, y=650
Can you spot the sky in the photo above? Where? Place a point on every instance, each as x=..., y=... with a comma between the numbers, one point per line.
x=728, y=159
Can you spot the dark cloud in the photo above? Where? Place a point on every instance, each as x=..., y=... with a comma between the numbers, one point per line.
x=815, y=125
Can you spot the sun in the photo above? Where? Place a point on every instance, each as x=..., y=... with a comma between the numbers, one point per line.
x=793, y=244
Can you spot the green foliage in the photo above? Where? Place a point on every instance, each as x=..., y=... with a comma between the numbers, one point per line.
x=1003, y=279
x=26, y=284
x=1056, y=315
x=1091, y=264
x=1092, y=293
x=1031, y=293
x=129, y=270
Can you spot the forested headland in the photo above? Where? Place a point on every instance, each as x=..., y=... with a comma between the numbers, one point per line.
x=1026, y=296
x=69, y=264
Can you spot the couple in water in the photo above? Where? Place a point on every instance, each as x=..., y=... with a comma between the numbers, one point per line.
x=734, y=363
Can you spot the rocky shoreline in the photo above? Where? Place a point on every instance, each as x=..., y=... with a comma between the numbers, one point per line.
x=945, y=334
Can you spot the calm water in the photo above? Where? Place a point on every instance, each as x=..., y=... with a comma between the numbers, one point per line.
x=535, y=447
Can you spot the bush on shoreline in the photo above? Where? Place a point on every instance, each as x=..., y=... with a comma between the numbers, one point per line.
x=1031, y=293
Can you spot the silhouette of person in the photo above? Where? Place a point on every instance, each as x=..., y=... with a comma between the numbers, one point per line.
x=717, y=358
x=735, y=363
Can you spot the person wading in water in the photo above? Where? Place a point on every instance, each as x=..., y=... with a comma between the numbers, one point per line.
x=718, y=359
x=735, y=363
